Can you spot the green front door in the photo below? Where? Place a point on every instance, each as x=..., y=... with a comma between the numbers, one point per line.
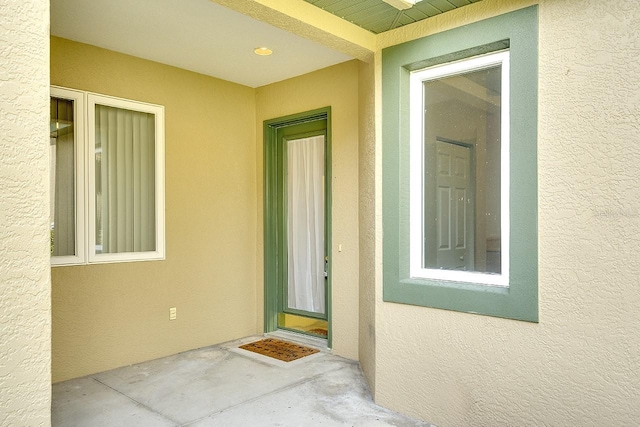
x=297, y=232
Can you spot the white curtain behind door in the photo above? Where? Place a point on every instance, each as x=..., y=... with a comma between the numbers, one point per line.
x=305, y=224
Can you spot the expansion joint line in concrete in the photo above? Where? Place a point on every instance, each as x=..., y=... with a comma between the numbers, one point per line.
x=136, y=402
x=276, y=391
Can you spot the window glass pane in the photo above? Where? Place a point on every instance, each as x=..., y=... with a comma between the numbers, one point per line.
x=461, y=196
x=125, y=200
x=62, y=215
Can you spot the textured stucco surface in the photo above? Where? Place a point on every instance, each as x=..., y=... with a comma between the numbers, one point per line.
x=579, y=364
x=25, y=326
x=111, y=315
x=367, y=221
x=335, y=86
x=106, y=316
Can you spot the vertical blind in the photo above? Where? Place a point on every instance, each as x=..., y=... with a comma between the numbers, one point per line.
x=63, y=178
x=124, y=180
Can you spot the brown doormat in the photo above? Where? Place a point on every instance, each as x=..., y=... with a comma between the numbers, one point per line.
x=278, y=349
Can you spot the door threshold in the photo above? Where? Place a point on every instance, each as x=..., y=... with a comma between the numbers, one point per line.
x=299, y=338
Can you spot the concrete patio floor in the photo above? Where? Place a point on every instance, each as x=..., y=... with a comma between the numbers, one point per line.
x=224, y=386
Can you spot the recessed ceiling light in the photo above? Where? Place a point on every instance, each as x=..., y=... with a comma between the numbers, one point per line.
x=262, y=51
x=402, y=4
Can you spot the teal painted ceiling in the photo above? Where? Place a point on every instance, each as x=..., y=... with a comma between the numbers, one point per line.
x=378, y=17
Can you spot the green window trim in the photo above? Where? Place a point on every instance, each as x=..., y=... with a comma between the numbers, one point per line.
x=517, y=31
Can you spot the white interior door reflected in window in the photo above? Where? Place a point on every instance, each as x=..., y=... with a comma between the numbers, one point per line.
x=459, y=181
x=449, y=215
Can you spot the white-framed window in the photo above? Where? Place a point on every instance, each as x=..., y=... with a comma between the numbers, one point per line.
x=126, y=180
x=66, y=172
x=459, y=171
x=119, y=171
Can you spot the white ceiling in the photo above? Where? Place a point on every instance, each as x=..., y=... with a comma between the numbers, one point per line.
x=196, y=35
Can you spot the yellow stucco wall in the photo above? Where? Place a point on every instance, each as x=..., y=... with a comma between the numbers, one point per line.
x=579, y=365
x=112, y=315
x=336, y=87
x=25, y=282
x=370, y=235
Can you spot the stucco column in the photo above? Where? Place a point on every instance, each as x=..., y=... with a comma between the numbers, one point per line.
x=25, y=305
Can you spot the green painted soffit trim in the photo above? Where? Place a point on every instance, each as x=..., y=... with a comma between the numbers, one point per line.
x=519, y=31
x=378, y=16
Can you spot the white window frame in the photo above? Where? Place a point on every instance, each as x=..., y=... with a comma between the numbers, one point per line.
x=417, y=169
x=84, y=113
x=158, y=112
x=78, y=99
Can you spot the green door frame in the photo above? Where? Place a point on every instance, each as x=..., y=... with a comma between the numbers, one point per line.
x=275, y=261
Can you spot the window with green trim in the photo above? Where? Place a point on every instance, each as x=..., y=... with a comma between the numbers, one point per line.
x=460, y=170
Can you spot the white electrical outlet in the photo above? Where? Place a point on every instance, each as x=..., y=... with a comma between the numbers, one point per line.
x=172, y=313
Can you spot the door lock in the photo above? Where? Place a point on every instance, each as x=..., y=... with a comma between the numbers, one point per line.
x=326, y=267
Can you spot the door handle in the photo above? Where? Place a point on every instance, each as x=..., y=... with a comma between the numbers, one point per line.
x=326, y=267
